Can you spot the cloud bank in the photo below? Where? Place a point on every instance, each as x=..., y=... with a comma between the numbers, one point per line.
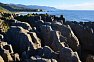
x=82, y=6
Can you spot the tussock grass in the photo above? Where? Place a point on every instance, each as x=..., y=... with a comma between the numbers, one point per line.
x=4, y=27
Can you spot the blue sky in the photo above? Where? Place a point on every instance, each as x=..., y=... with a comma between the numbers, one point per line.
x=60, y=4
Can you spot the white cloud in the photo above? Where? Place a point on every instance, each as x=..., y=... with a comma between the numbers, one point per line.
x=82, y=6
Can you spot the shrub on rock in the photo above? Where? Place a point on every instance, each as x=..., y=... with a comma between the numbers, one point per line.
x=4, y=27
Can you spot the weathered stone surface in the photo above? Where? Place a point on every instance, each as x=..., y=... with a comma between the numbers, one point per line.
x=67, y=32
x=45, y=52
x=39, y=23
x=35, y=40
x=85, y=35
x=5, y=46
x=56, y=44
x=24, y=25
x=16, y=57
x=90, y=58
x=67, y=55
x=1, y=37
x=63, y=39
x=19, y=39
x=47, y=23
x=53, y=60
x=11, y=21
x=7, y=56
x=45, y=34
x=1, y=59
x=39, y=59
x=8, y=47
x=50, y=39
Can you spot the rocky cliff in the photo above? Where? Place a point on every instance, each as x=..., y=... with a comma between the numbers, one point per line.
x=44, y=38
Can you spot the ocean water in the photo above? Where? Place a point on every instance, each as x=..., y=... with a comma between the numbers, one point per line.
x=71, y=15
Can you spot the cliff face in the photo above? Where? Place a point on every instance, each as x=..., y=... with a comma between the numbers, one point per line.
x=44, y=38
x=14, y=8
x=85, y=33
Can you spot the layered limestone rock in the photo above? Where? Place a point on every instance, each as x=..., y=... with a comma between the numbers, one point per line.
x=85, y=35
x=67, y=55
x=55, y=38
x=46, y=38
x=1, y=59
x=90, y=58
x=35, y=40
x=67, y=32
x=25, y=25
x=6, y=51
x=20, y=39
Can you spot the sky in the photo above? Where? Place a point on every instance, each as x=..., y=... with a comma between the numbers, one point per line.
x=60, y=4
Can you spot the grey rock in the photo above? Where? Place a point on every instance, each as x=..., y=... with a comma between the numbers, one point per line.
x=7, y=56
x=85, y=35
x=19, y=39
x=45, y=34
x=24, y=25
x=6, y=46
x=1, y=37
x=67, y=32
x=35, y=40
x=90, y=58
x=16, y=57
x=45, y=52
x=1, y=59
x=55, y=38
x=67, y=55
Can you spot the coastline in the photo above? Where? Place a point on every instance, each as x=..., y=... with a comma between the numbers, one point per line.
x=72, y=15
x=44, y=37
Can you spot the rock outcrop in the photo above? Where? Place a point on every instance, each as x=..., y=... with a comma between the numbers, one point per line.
x=67, y=55
x=84, y=32
x=67, y=32
x=1, y=59
x=6, y=52
x=90, y=58
x=55, y=38
x=45, y=38
x=22, y=24
x=18, y=37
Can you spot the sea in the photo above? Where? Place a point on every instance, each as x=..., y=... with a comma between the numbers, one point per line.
x=70, y=15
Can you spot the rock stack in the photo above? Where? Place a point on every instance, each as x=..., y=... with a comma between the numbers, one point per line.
x=85, y=34
x=44, y=38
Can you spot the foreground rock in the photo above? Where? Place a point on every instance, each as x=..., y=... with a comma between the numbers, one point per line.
x=67, y=55
x=67, y=32
x=6, y=52
x=56, y=44
x=90, y=58
x=1, y=59
x=84, y=31
x=20, y=39
x=86, y=38
x=22, y=24
x=45, y=38
x=47, y=52
x=39, y=59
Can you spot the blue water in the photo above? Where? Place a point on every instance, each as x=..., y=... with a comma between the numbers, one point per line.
x=71, y=15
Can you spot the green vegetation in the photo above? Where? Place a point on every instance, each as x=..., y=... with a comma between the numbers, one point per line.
x=13, y=8
x=3, y=26
x=3, y=9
